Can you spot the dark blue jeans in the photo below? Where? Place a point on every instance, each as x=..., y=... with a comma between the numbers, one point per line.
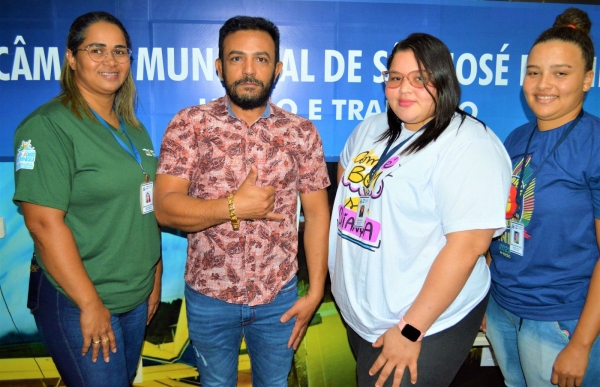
x=57, y=320
x=216, y=328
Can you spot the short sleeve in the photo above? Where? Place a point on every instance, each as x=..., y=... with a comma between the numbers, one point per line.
x=346, y=153
x=313, y=169
x=593, y=180
x=44, y=164
x=178, y=152
x=471, y=186
x=594, y=184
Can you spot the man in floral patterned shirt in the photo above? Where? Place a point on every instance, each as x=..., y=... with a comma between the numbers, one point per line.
x=241, y=277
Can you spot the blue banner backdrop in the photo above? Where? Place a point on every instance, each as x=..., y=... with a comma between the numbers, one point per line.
x=333, y=53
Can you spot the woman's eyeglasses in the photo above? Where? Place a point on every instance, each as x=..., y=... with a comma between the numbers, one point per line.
x=394, y=79
x=99, y=54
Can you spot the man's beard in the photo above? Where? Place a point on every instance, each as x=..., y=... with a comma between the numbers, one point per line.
x=248, y=102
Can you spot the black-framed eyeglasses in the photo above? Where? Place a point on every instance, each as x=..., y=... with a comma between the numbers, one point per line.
x=394, y=79
x=99, y=54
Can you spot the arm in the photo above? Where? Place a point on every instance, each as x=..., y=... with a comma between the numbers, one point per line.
x=316, y=233
x=446, y=278
x=154, y=298
x=58, y=251
x=571, y=363
x=340, y=172
x=483, y=326
x=175, y=208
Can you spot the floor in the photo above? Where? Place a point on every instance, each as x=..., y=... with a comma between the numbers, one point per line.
x=470, y=375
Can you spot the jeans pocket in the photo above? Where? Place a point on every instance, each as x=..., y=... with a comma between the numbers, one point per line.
x=291, y=285
x=35, y=283
x=565, y=329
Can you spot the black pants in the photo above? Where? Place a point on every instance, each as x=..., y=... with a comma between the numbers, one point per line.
x=441, y=355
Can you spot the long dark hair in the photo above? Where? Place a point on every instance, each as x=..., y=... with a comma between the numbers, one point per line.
x=572, y=26
x=433, y=58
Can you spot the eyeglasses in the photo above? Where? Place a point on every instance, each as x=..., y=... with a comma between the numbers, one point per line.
x=99, y=54
x=394, y=79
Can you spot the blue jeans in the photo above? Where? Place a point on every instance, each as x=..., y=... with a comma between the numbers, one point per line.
x=216, y=328
x=57, y=320
x=526, y=349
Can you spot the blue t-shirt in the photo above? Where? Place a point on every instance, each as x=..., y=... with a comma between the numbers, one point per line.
x=550, y=281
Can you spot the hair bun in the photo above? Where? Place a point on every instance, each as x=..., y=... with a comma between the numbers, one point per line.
x=574, y=18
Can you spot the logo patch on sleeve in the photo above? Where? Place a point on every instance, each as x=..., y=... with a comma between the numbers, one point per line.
x=25, y=156
x=149, y=152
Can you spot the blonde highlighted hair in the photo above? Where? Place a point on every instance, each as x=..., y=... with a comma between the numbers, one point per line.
x=126, y=96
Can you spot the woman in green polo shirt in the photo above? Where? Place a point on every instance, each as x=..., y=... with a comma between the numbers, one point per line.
x=84, y=169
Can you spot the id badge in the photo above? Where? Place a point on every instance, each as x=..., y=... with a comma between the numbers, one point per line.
x=517, y=238
x=363, y=208
x=147, y=197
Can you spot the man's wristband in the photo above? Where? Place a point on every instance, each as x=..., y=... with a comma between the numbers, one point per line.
x=410, y=332
x=235, y=222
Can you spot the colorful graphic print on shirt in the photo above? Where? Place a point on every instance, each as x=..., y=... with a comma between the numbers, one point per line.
x=357, y=181
x=512, y=213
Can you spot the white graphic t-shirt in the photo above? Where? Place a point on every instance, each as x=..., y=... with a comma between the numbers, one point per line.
x=458, y=182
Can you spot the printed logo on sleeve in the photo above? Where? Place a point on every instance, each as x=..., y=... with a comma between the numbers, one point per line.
x=25, y=156
x=149, y=152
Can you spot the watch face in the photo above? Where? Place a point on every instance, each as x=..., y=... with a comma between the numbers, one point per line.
x=411, y=332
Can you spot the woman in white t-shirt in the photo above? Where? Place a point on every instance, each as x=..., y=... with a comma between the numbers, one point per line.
x=434, y=183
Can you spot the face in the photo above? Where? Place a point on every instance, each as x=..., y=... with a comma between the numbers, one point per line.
x=248, y=68
x=414, y=106
x=555, y=83
x=99, y=79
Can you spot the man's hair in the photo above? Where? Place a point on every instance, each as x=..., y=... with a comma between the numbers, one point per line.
x=249, y=23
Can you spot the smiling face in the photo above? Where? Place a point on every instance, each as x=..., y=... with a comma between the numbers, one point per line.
x=413, y=105
x=99, y=79
x=555, y=83
x=248, y=68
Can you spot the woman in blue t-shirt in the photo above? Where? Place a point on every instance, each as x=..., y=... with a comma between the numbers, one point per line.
x=543, y=318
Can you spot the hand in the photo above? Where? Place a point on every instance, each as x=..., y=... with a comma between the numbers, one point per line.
x=303, y=309
x=483, y=326
x=398, y=352
x=153, y=302
x=570, y=365
x=252, y=202
x=97, y=332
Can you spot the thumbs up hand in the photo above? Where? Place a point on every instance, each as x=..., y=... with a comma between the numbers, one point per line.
x=252, y=202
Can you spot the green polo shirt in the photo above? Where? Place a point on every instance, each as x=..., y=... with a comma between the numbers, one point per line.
x=77, y=166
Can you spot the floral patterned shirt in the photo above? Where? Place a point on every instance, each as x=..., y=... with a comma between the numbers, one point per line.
x=214, y=150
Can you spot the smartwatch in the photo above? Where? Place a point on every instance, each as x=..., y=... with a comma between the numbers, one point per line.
x=410, y=332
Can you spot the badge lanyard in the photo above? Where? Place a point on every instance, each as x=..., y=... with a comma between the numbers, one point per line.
x=521, y=187
x=517, y=228
x=133, y=151
x=364, y=199
x=387, y=153
x=147, y=187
